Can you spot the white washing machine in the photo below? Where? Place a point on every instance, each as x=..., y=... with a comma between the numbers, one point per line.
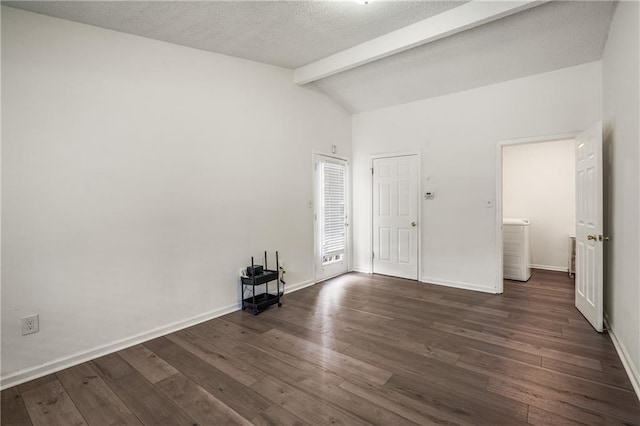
x=516, y=245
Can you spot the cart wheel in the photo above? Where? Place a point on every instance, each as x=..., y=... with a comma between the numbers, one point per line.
x=243, y=308
x=279, y=304
x=256, y=312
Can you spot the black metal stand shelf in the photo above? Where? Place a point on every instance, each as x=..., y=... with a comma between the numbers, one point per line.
x=261, y=301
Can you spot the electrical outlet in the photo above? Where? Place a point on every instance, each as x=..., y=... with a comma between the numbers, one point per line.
x=30, y=324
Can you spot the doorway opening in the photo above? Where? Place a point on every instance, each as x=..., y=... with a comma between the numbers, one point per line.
x=550, y=189
x=538, y=208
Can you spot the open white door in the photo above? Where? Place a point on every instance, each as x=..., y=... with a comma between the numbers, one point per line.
x=589, y=226
x=395, y=216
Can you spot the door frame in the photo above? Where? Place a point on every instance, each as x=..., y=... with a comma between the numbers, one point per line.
x=499, y=285
x=315, y=212
x=419, y=195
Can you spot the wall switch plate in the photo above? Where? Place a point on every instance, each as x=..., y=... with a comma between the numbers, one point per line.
x=30, y=324
x=429, y=195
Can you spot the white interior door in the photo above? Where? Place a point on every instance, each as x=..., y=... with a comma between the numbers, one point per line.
x=589, y=227
x=331, y=217
x=395, y=216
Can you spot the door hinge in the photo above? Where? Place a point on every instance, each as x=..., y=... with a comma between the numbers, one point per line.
x=373, y=255
x=372, y=171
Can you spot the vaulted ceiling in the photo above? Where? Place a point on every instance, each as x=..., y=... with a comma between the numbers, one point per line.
x=545, y=38
x=292, y=34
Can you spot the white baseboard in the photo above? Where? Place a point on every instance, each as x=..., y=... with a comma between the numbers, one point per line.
x=629, y=367
x=464, y=286
x=22, y=376
x=360, y=269
x=551, y=268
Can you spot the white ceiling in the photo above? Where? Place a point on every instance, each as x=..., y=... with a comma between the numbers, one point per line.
x=283, y=33
x=545, y=38
x=294, y=33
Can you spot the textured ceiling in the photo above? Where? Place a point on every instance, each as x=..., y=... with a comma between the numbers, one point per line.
x=284, y=33
x=545, y=38
x=551, y=36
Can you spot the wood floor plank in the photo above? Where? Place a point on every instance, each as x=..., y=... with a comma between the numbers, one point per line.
x=242, y=399
x=130, y=420
x=456, y=344
x=254, y=350
x=95, y=400
x=540, y=417
x=303, y=405
x=206, y=350
x=37, y=382
x=148, y=403
x=249, y=323
x=200, y=404
x=12, y=409
x=353, y=350
x=582, y=361
x=461, y=403
x=617, y=380
x=49, y=404
x=327, y=358
x=277, y=416
x=290, y=326
x=112, y=367
x=281, y=356
x=353, y=403
x=412, y=342
x=556, y=402
x=386, y=331
x=595, y=395
x=144, y=399
x=158, y=343
x=320, y=337
x=312, y=381
x=404, y=362
x=291, y=367
x=402, y=405
x=147, y=363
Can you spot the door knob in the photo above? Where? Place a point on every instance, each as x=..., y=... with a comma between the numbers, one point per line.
x=592, y=237
x=413, y=224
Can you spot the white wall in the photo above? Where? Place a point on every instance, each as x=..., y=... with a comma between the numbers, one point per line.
x=457, y=136
x=137, y=179
x=621, y=112
x=538, y=183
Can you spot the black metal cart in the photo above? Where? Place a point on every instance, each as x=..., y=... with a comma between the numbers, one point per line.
x=261, y=301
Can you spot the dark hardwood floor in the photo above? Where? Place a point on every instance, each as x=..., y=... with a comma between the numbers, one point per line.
x=358, y=349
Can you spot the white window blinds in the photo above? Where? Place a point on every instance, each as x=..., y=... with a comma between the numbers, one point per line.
x=333, y=180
